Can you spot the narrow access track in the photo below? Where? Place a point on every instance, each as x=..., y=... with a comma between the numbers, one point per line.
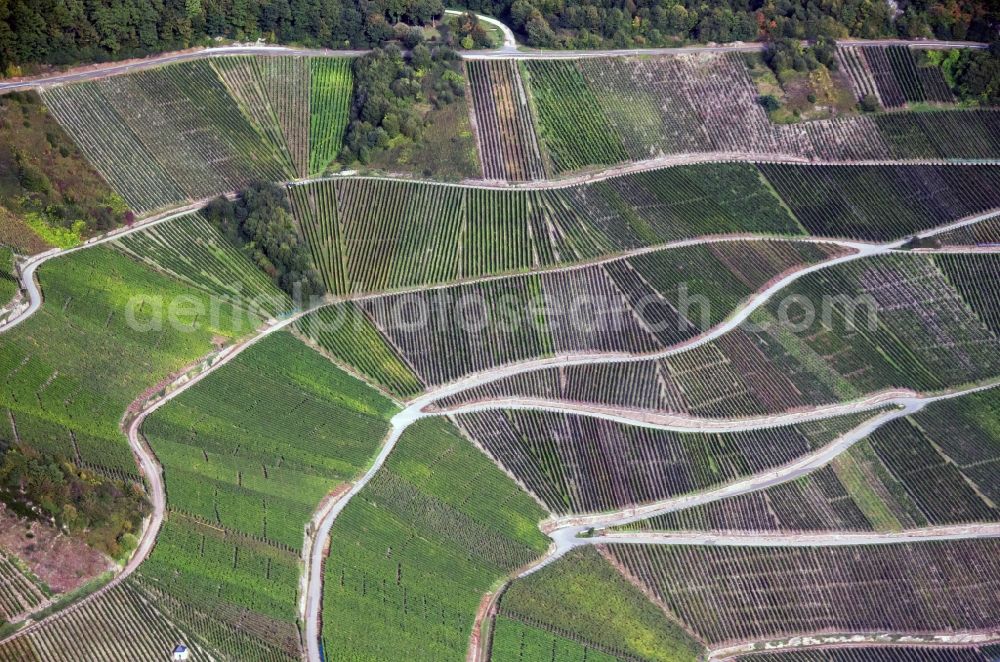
x=96, y=71
x=150, y=467
x=942, y=641
x=566, y=537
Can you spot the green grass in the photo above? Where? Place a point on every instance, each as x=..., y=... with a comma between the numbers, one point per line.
x=331, y=84
x=583, y=598
x=412, y=555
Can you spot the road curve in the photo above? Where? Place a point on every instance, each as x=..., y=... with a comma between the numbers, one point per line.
x=149, y=465
x=509, y=42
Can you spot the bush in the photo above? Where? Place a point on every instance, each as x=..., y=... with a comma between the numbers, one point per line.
x=769, y=102
x=869, y=103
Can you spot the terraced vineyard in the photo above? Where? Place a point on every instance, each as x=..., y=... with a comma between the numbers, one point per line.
x=440, y=234
x=579, y=464
x=330, y=88
x=413, y=553
x=603, y=111
x=452, y=455
x=930, y=469
x=583, y=609
x=640, y=304
x=19, y=591
x=878, y=203
x=926, y=587
x=894, y=75
x=247, y=455
x=193, y=250
x=506, y=129
x=901, y=321
x=165, y=135
x=124, y=623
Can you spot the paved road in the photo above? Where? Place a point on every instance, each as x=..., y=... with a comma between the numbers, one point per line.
x=509, y=44
x=91, y=72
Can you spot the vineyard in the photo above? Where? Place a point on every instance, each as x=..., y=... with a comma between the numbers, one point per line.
x=603, y=111
x=933, y=468
x=256, y=445
x=881, y=654
x=420, y=234
x=125, y=623
x=164, y=135
x=247, y=455
x=71, y=370
x=509, y=143
x=345, y=333
x=879, y=203
x=413, y=553
x=19, y=591
x=196, y=129
x=984, y=233
x=728, y=594
x=582, y=464
x=636, y=304
x=451, y=526
x=274, y=93
x=582, y=607
x=331, y=84
x=894, y=75
x=899, y=321
x=193, y=250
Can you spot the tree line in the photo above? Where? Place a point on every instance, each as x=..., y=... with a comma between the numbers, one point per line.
x=63, y=32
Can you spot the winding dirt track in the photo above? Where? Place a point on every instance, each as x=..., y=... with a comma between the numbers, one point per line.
x=564, y=533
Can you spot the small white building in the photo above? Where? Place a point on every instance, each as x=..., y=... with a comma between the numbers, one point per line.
x=181, y=653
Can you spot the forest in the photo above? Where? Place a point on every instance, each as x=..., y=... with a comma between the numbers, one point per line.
x=62, y=32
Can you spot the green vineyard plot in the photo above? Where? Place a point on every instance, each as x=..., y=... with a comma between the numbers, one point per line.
x=247, y=455
x=192, y=249
x=413, y=553
x=577, y=464
x=583, y=607
x=330, y=86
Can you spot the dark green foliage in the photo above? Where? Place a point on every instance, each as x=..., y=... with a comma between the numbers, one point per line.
x=469, y=33
x=869, y=103
x=98, y=509
x=260, y=220
x=769, y=102
x=974, y=75
x=606, y=23
x=50, y=31
x=388, y=88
